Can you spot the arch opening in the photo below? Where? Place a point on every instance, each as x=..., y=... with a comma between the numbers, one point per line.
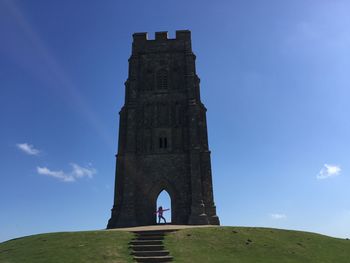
x=164, y=200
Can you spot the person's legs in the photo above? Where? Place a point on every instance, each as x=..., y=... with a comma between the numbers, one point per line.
x=164, y=219
x=159, y=217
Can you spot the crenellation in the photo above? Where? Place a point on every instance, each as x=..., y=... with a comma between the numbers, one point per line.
x=184, y=35
x=142, y=36
x=161, y=35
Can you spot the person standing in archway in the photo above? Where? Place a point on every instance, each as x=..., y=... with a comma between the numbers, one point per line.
x=160, y=214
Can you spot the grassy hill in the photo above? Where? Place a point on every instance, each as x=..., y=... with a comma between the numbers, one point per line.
x=255, y=245
x=216, y=244
x=68, y=247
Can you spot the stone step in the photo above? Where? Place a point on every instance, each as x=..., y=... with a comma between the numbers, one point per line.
x=153, y=232
x=154, y=259
x=146, y=247
x=146, y=242
x=142, y=237
x=149, y=234
x=156, y=253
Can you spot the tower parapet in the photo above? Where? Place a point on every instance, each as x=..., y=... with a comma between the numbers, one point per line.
x=161, y=41
x=163, y=35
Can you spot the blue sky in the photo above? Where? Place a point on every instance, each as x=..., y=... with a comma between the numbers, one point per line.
x=274, y=77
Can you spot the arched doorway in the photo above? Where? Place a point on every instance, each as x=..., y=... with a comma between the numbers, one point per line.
x=164, y=200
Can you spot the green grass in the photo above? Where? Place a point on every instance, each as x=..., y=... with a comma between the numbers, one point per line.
x=243, y=245
x=70, y=247
x=215, y=244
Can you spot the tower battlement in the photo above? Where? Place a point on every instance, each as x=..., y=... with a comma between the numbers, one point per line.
x=161, y=42
x=163, y=35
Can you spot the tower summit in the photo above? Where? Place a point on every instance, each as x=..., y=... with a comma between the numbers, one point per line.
x=163, y=142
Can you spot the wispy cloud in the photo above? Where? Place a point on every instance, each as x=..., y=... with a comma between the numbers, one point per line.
x=328, y=171
x=56, y=174
x=77, y=172
x=27, y=148
x=278, y=216
x=80, y=172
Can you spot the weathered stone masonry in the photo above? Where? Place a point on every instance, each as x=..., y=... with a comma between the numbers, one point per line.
x=163, y=142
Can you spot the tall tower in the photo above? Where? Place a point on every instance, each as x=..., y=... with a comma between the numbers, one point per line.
x=163, y=142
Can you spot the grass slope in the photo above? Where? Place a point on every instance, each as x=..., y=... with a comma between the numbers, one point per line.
x=77, y=247
x=215, y=244
x=243, y=245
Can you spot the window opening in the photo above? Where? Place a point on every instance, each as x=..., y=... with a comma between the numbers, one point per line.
x=163, y=142
x=162, y=79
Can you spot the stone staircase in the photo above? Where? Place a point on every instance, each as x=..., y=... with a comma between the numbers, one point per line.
x=148, y=246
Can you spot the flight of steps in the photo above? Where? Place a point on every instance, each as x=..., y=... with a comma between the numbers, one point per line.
x=148, y=246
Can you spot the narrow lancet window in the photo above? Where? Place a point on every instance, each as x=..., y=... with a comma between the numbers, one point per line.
x=162, y=79
x=163, y=142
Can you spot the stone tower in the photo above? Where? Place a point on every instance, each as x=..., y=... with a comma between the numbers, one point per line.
x=163, y=142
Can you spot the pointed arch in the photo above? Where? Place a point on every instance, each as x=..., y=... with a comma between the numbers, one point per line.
x=164, y=201
x=158, y=187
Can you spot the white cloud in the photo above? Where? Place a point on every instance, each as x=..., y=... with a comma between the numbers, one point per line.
x=56, y=174
x=278, y=216
x=27, y=148
x=76, y=173
x=328, y=171
x=80, y=172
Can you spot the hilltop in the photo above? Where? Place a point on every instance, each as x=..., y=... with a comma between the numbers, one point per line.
x=213, y=244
